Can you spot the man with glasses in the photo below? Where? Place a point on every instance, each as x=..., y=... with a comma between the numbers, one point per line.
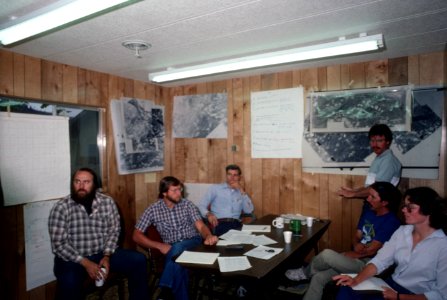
x=181, y=228
x=224, y=203
x=385, y=166
x=84, y=228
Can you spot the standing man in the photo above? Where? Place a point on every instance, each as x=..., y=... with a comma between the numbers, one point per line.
x=181, y=228
x=385, y=166
x=84, y=228
x=224, y=203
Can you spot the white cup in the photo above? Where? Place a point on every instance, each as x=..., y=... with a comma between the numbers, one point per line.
x=100, y=281
x=309, y=221
x=278, y=222
x=287, y=236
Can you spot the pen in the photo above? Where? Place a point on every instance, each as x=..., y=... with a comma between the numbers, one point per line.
x=270, y=250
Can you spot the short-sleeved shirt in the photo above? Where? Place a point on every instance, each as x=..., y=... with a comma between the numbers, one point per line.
x=174, y=224
x=379, y=228
x=385, y=167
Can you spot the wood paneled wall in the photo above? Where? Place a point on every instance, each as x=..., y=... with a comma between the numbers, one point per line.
x=275, y=185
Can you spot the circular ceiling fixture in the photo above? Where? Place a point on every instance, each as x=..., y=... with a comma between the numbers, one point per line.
x=136, y=46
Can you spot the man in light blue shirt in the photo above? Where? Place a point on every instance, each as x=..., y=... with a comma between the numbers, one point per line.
x=385, y=166
x=224, y=203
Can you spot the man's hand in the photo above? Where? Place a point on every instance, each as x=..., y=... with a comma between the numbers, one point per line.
x=164, y=248
x=212, y=219
x=236, y=184
x=346, y=192
x=211, y=240
x=91, y=268
x=105, y=262
x=360, y=248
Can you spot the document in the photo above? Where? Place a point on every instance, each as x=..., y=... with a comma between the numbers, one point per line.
x=237, y=237
x=233, y=263
x=256, y=228
x=277, y=123
x=263, y=240
x=370, y=284
x=191, y=257
x=263, y=252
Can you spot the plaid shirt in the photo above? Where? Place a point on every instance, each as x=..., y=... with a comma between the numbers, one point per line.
x=173, y=224
x=75, y=234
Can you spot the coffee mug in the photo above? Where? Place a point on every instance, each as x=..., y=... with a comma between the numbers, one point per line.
x=278, y=222
x=295, y=226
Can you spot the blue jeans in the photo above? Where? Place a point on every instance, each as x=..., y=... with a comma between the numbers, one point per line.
x=346, y=292
x=175, y=276
x=70, y=275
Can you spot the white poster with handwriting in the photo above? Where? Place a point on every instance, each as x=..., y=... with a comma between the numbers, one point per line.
x=277, y=122
x=38, y=255
x=35, y=157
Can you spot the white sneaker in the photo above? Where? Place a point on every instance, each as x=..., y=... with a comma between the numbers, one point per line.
x=296, y=274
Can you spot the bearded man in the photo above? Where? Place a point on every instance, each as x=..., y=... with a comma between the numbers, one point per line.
x=84, y=228
x=181, y=228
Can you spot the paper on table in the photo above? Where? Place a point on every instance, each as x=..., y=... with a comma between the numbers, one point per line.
x=191, y=257
x=231, y=232
x=223, y=243
x=233, y=263
x=238, y=237
x=263, y=240
x=256, y=228
x=263, y=252
x=370, y=284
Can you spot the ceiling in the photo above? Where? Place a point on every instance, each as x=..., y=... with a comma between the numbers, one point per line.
x=188, y=32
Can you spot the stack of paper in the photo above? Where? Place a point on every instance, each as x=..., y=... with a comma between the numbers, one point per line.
x=256, y=228
x=370, y=284
x=233, y=263
x=192, y=257
x=234, y=237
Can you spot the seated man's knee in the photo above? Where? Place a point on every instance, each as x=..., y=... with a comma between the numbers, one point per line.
x=327, y=254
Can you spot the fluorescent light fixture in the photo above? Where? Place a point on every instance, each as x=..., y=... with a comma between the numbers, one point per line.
x=58, y=16
x=340, y=47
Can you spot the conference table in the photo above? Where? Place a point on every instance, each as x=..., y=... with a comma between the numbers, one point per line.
x=265, y=272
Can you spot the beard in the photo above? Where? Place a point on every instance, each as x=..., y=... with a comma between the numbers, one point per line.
x=81, y=198
x=172, y=200
x=85, y=198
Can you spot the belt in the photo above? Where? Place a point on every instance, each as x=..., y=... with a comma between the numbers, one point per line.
x=228, y=220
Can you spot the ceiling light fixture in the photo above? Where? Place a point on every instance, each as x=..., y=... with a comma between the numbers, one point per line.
x=52, y=17
x=341, y=47
x=136, y=46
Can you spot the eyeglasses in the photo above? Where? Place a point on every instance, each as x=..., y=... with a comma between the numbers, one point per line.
x=409, y=207
x=175, y=190
x=233, y=175
x=78, y=181
x=376, y=140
